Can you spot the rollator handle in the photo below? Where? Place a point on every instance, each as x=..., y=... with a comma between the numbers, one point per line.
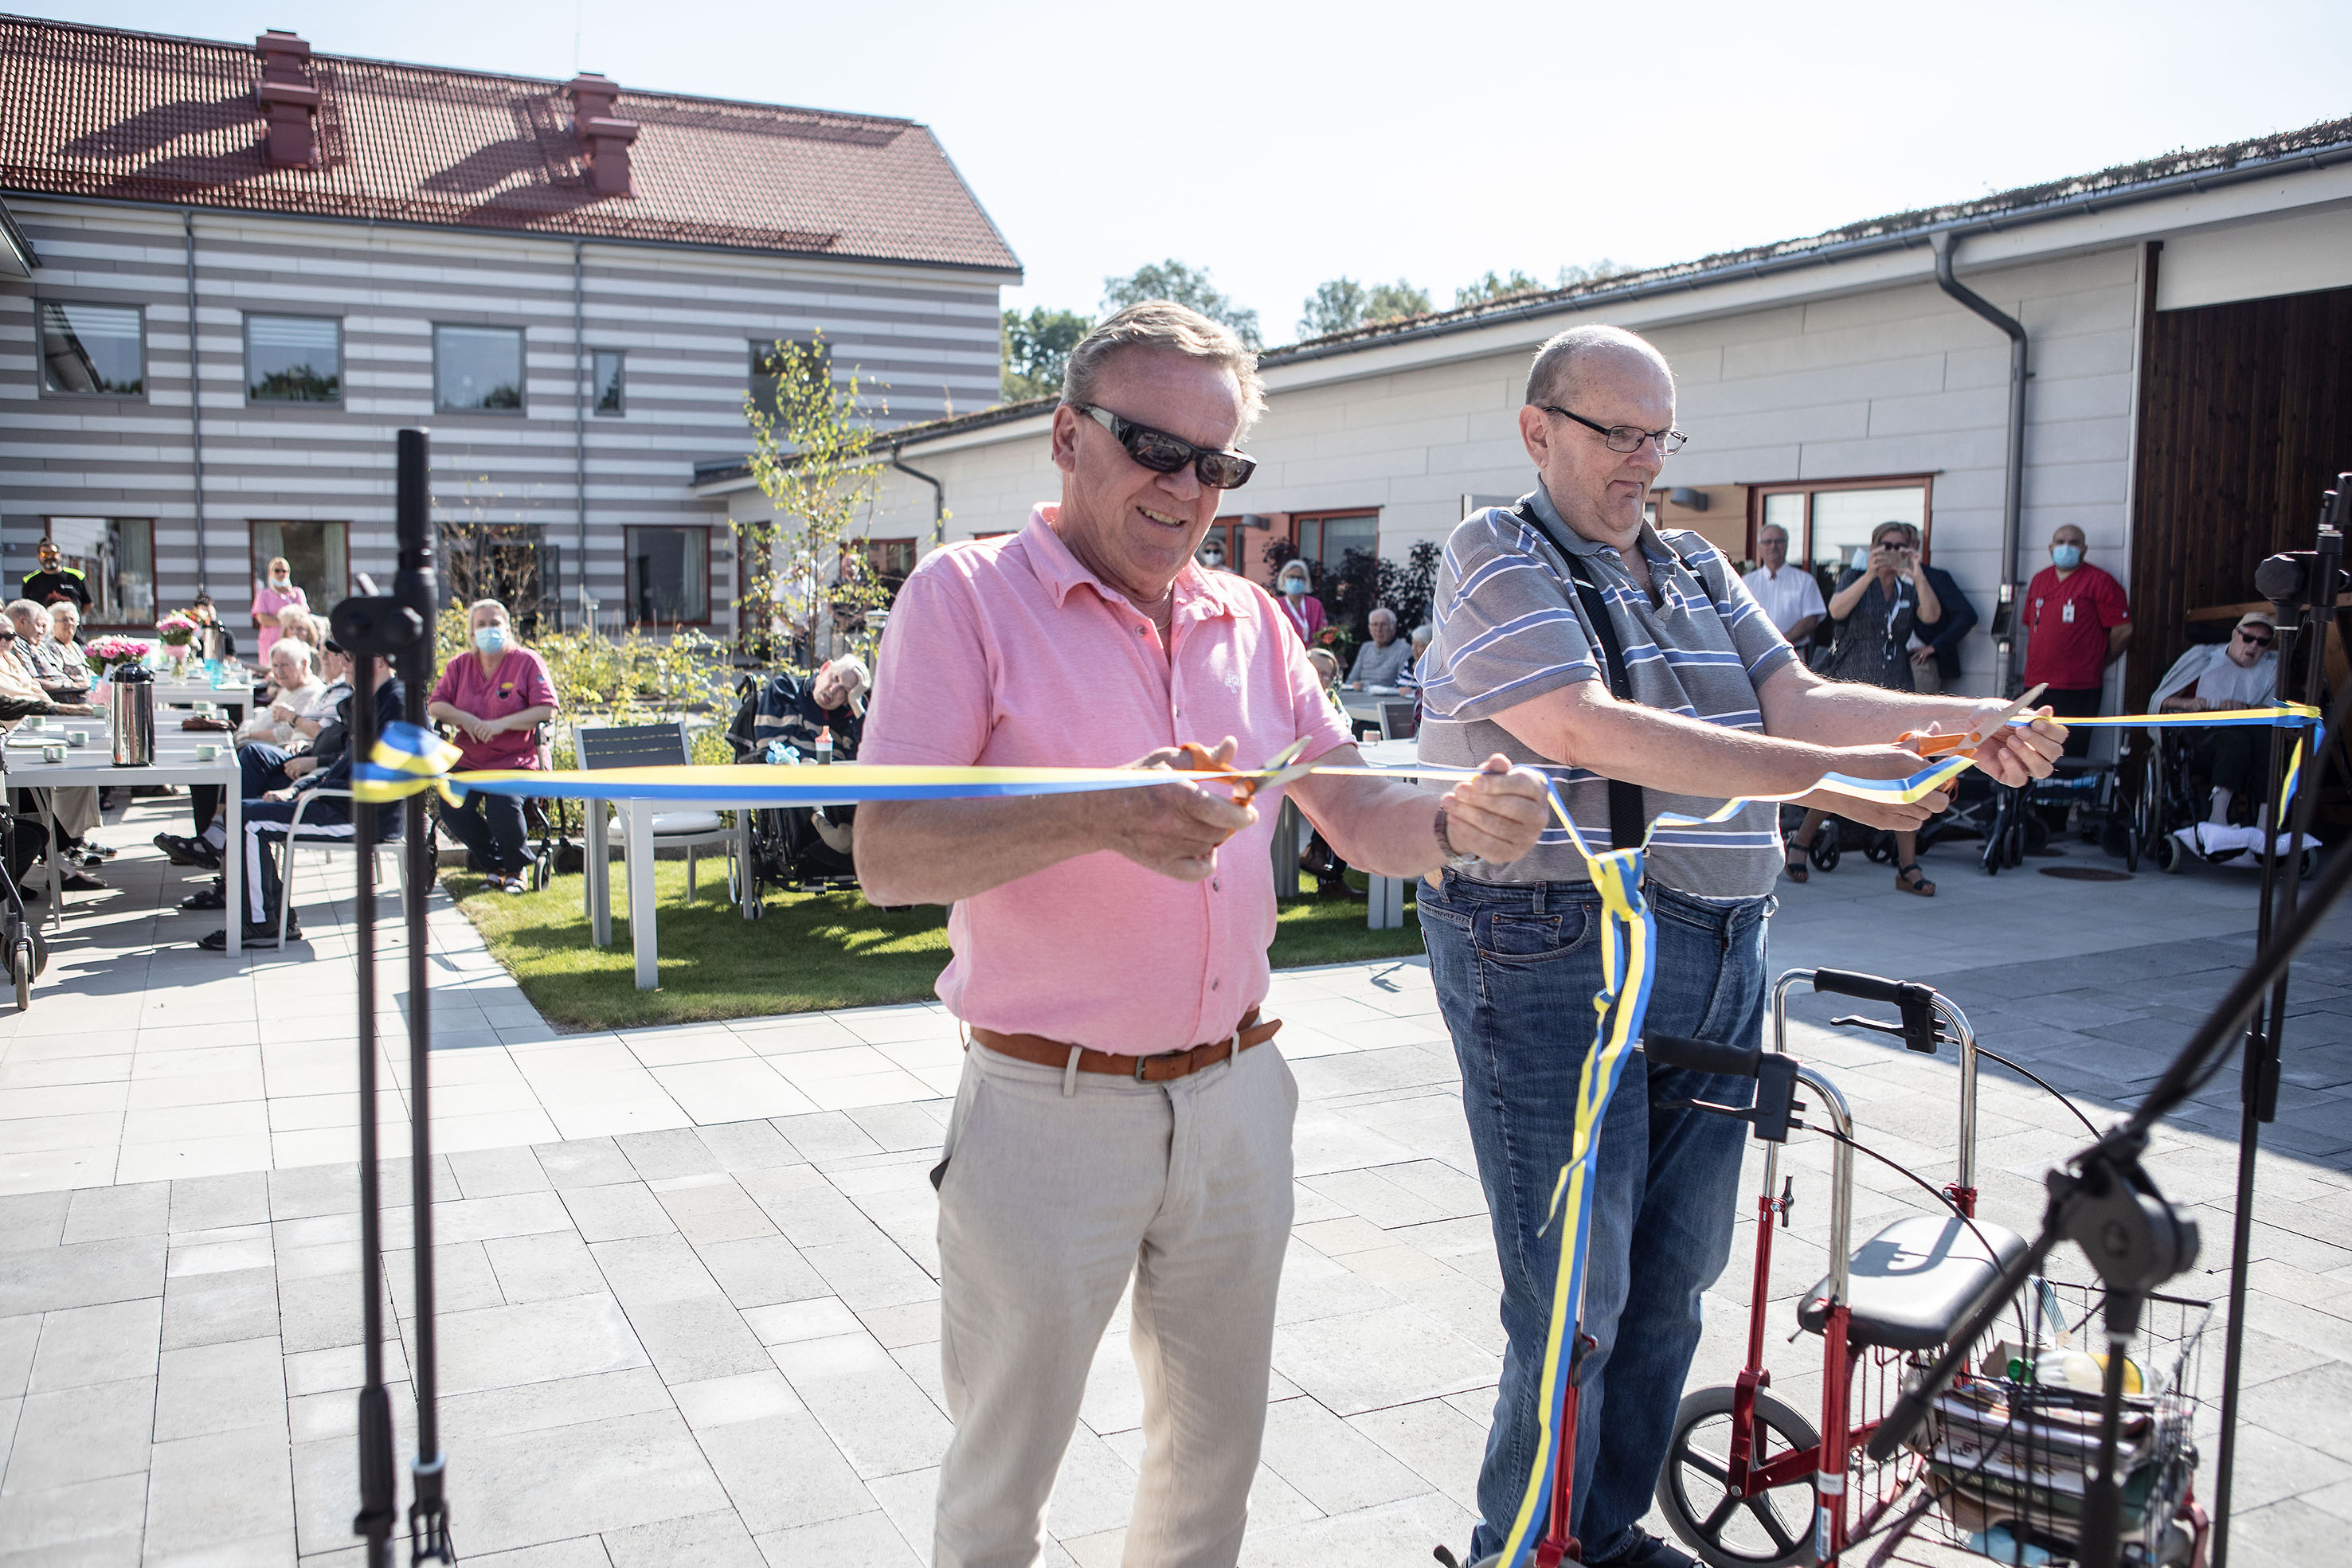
x=1916, y=1002
x=1775, y=1074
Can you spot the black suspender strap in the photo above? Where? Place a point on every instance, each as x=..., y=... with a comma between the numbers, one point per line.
x=1629, y=819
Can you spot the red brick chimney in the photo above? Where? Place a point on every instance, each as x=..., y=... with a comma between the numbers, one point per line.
x=291, y=101
x=604, y=141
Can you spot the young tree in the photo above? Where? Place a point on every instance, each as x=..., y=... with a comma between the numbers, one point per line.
x=1395, y=301
x=1590, y=272
x=803, y=574
x=1172, y=279
x=1037, y=349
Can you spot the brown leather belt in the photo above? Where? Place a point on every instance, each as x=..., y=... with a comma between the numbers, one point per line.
x=1160, y=1069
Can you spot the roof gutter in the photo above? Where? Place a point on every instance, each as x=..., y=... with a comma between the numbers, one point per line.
x=2192, y=180
x=939, y=499
x=2012, y=501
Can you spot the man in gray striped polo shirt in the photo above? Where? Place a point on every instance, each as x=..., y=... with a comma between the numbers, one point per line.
x=1715, y=705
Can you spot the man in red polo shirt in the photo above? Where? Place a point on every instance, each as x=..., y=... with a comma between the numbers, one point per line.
x=2077, y=622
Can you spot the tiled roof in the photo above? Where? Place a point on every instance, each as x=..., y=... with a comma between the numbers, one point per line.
x=93, y=112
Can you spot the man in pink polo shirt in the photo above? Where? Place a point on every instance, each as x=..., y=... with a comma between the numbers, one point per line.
x=1120, y=1113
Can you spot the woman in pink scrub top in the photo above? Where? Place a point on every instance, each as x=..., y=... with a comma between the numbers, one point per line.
x=493, y=699
x=1301, y=611
x=272, y=594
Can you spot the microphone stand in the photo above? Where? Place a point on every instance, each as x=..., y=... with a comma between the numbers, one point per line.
x=2301, y=586
x=397, y=626
x=2105, y=1202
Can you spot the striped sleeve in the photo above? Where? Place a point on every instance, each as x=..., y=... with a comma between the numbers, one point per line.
x=1507, y=631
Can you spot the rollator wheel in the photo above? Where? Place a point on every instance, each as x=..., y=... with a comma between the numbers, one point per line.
x=20, y=969
x=2310, y=865
x=1880, y=848
x=1826, y=848
x=1773, y=1529
x=2170, y=858
x=757, y=908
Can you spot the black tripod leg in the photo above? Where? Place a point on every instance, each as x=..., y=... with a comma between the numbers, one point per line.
x=378, y=1506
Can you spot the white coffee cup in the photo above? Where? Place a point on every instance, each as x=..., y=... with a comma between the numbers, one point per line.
x=204, y=709
x=76, y=737
x=53, y=754
x=207, y=752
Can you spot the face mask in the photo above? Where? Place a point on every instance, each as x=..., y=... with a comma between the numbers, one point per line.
x=2068, y=557
x=278, y=580
x=1294, y=587
x=489, y=639
x=1212, y=558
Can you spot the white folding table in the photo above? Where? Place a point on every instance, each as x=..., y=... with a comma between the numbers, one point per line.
x=93, y=765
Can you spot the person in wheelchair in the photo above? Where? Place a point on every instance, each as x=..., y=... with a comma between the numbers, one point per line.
x=2240, y=673
x=786, y=716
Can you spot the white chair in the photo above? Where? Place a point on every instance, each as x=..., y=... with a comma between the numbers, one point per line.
x=656, y=746
x=294, y=841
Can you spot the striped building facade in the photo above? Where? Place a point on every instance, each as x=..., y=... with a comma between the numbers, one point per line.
x=572, y=380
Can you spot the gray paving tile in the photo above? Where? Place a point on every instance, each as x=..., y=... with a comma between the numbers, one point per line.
x=208, y=1203
x=660, y=1155
x=704, y=1541
x=31, y=1220
x=506, y=1214
x=54, y=1278
x=105, y=1343
x=782, y=1472
x=762, y=1270
x=1331, y=1463
x=875, y=1273
x=594, y=1476
x=757, y=1146
x=462, y=1278
x=617, y=1211
x=214, y=1309
x=809, y=1209
x=95, y=1522
x=585, y=1162
x=112, y=1213
x=495, y=1173
x=498, y=1347
x=221, y=1388
x=579, y=1551
x=537, y=1268
x=235, y=1487
x=320, y=1312
x=19, y=1338
x=875, y=1414
x=1364, y=1361
x=712, y=1208
x=310, y=1190
x=860, y=1540
x=81, y=1435
x=562, y=1402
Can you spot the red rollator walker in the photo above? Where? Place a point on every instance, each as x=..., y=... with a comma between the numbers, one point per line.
x=1749, y=1482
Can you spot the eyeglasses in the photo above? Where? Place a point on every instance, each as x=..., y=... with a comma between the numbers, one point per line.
x=2244, y=635
x=1165, y=454
x=1624, y=437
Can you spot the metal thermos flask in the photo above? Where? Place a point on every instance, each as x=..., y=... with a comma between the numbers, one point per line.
x=132, y=717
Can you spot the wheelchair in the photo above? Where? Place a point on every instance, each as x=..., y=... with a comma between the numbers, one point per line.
x=2170, y=795
x=20, y=934
x=1750, y=1481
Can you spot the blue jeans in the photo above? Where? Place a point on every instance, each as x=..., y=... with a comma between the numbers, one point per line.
x=1516, y=969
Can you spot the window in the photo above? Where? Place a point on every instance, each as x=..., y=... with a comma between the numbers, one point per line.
x=293, y=359
x=772, y=359
x=669, y=576
x=317, y=555
x=477, y=370
x=1325, y=537
x=1828, y=522
x=605, y=388
x=116, y=556
x=97, y=350
x=890, y=560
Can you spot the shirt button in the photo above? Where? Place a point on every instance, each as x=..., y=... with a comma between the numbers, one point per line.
x=1216, y=886
x=1215, y=983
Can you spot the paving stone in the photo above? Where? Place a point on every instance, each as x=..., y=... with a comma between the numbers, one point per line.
x=32, y=1220
x=89, y=1274
x=208, y=1203
x=495, y=1173
x=112, y=1213
x=221, y=1388
x=757, y=1146
x=214, y=1309
x=498, y=1347
x=592, y=1476
x=782, y=1472
x=97, y=1523
x=105, y=1343
x=657, y=1156
x=616, y=1212
x=762, y=1270
x=860, y=1540
x=537, y=1268
x=585, y=1162
x=1331, y=1463
x=81, y=1435
x=704, y=1541
x=222, y=1487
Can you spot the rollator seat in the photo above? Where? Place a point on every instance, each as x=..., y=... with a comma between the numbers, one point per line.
x=673, y=824
x=1916, y=1281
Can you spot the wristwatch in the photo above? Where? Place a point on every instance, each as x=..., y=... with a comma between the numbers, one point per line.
x=1453, y=859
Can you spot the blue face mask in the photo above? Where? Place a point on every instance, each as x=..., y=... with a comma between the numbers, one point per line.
x=489, y=639
x=2068, y=557
x=1294, y=587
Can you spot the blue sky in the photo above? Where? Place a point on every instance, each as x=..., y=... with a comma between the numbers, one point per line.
x=1278, y=145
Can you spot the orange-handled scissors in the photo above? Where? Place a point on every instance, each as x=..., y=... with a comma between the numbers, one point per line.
x=1286, y=766
x=1968, y=740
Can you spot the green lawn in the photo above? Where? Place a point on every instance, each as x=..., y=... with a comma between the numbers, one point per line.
x=809, y=952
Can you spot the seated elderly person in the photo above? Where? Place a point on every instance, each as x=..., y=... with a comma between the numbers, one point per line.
x=65, y=644
x=1380, y=662
x=75, y=811
x=326, y=818
x=793, y=710
x=493, y=701
x=271, y=749
x=298, y=622
x=2215, y=678
x=35, y=653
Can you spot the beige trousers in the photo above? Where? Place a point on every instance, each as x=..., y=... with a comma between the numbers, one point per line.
x=1057, y=1188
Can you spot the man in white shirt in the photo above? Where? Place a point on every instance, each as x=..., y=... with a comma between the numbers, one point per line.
x=1787, y=594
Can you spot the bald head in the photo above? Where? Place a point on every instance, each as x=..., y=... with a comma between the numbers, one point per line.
x=1566, y=358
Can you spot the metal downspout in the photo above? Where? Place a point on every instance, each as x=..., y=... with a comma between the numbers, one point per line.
x=939, y=497
x=580, y=436
x=2012, y=505
x=196, y=399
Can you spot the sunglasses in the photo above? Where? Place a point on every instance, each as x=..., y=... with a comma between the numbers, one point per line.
x=2262, y=642
x=1165, y=454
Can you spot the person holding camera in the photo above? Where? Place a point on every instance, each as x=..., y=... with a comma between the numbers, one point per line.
x=1872, y=613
